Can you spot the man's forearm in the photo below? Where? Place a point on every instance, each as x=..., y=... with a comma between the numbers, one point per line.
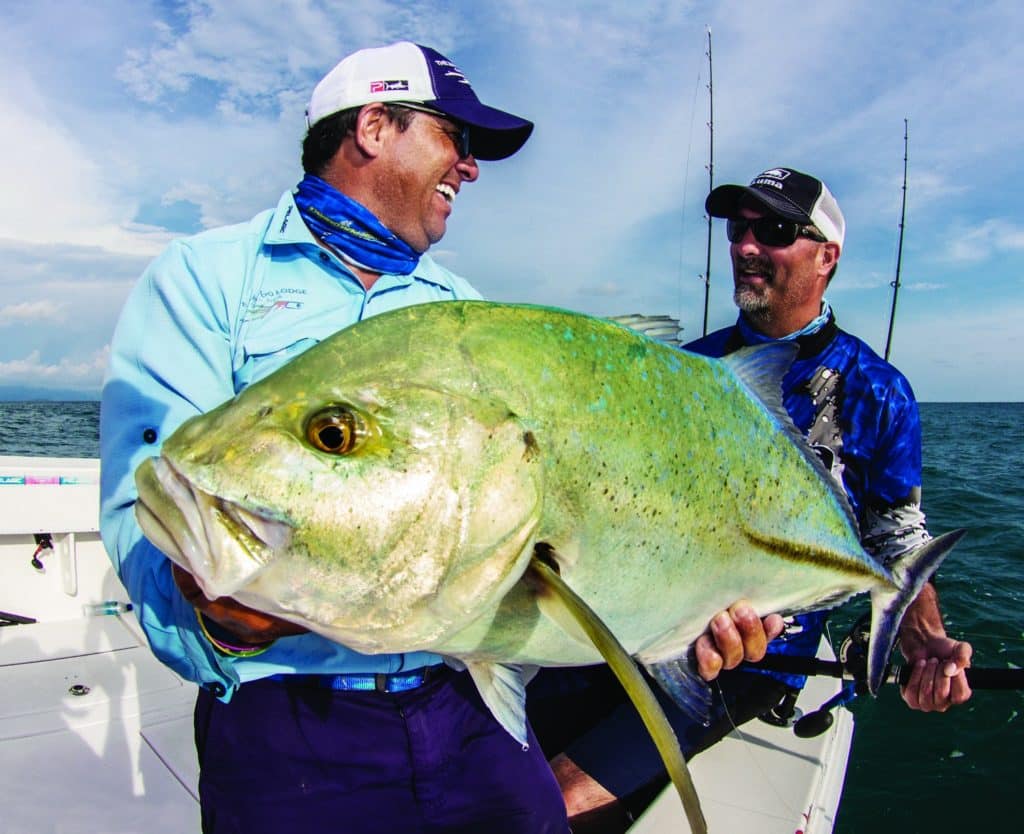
x=922, y=621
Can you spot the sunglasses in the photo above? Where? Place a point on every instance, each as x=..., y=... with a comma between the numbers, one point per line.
x=459, y=133
x=770, y=231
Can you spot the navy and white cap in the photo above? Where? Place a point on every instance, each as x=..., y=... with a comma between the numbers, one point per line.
x=408, y=72
x=789, y=194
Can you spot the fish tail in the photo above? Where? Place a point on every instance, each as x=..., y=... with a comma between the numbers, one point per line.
x=890, y=602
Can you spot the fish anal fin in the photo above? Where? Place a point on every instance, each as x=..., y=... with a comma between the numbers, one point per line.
x=688, y=690
x=503, y=689
x=563, y=602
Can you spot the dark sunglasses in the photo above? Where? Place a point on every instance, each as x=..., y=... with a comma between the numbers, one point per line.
x=770, y=231
x=459, y=134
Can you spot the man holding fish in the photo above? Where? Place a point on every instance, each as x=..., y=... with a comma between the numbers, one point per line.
x=293, y=729
x=786, y=233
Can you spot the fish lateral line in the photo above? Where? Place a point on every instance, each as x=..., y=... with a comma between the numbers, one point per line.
x=565, y=607
x=808, y=554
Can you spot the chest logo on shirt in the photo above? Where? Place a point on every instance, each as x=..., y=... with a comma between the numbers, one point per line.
x=263, y=303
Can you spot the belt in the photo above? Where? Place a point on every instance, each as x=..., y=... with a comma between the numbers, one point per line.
x=368, y=682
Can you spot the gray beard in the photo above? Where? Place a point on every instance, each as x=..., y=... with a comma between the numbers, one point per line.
x=755, y=307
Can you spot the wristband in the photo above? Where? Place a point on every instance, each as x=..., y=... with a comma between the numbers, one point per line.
x=229, y=649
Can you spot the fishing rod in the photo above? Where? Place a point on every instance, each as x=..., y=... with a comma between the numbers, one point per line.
x=711, y=182
x=852, y=667
x=899, y=249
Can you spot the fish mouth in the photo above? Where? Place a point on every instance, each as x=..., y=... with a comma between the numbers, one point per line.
x=221, y=543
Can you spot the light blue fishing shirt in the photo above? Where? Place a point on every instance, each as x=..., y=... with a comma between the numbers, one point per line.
x=212, y=314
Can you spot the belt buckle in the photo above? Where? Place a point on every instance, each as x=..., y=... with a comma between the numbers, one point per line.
x=401, y=681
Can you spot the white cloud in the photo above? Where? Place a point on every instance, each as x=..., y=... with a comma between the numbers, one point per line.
x=263, y=58
x=33, y=369
x=992, y=238
x=62, y=194
x=33, y=312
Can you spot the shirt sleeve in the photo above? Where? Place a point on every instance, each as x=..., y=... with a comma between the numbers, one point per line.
x=893, y=522
x=170, y=359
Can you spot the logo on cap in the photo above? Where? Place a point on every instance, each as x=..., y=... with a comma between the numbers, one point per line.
x=388, y=86
x=451, y=71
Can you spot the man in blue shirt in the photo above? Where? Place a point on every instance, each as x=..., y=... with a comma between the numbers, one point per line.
x=295, y=732
x=786, y=234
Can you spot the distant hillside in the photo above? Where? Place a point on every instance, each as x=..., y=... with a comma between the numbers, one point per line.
x=27, y=393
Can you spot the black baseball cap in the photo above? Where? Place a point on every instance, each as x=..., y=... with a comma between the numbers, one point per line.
x=787, y=193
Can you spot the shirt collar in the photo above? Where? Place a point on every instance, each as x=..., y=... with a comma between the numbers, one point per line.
x=755, y=337
x=286, y=228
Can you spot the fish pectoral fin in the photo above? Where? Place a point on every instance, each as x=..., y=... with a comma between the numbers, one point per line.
x=503, y=690
x=687, y=689
x=557, y=597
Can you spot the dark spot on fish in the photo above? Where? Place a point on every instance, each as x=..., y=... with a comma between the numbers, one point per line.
x=532, y=449
x=544, y=552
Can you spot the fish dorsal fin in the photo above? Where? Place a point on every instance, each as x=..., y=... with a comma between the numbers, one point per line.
x=559, y=602
x=661, y=328
x=761, y=369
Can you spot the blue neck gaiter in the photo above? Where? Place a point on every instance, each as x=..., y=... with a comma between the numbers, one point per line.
x=352, y=229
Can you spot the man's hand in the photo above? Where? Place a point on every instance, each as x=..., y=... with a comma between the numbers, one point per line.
x=734, y=636
x=937, y=680
x=250, y=626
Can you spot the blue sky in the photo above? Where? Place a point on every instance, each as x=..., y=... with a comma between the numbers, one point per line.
x=128, y=123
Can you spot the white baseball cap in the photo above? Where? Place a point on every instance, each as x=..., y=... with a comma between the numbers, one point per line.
x=408, y=72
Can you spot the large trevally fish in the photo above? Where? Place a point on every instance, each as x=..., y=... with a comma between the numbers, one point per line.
x=389, y=487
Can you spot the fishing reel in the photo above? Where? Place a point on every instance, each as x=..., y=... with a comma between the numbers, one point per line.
x=852, y=667
x=853, y=660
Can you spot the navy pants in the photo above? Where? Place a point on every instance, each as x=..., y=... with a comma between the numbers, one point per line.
x=288, y=757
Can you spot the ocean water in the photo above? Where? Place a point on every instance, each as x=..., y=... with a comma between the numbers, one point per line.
x=50, y=429
x=909, y=772
x=958, y=771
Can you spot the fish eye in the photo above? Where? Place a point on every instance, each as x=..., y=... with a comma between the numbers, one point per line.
x=335, y=430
